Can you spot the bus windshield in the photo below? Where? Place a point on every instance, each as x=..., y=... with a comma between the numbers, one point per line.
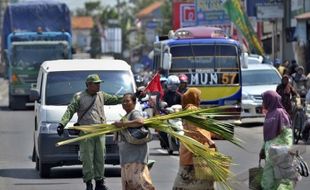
x=207, y=64
x=206, y=56
x=33, y=55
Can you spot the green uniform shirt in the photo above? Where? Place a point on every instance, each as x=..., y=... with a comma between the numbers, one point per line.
x=81, y=102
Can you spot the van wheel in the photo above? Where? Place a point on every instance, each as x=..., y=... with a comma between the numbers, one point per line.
x=44, y=170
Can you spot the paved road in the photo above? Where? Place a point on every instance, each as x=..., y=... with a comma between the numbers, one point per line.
x=17, y=171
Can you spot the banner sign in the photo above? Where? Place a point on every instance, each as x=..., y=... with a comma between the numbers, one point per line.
x=241, y=21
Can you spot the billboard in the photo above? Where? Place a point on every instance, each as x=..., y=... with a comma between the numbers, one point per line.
x=211, y=12
x=183, y=14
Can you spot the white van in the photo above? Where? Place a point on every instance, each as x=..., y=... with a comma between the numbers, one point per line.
x=57, y=82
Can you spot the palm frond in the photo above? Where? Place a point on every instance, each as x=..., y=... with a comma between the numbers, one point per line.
x=203, y=118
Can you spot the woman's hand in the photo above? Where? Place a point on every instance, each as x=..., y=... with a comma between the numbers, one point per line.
x=119, y=124
x=213, y=146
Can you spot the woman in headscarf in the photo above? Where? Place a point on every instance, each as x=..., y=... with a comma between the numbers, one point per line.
x=287, y=92
x=185, y=179
x=277, y=131
x=133, y=157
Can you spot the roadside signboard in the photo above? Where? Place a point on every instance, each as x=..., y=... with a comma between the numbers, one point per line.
x=270, y=11
x=183, y=14
x=211, y=12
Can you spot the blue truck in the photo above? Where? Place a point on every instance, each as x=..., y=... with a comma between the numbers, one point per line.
x=32, y=33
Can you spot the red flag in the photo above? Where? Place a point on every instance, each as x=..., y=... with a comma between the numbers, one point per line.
x=155, y=85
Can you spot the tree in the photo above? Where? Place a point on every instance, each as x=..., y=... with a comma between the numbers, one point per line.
x=95, y=43
x=166, y=10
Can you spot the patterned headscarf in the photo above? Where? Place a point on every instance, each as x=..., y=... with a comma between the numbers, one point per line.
x=191, y=97
x=276, y=118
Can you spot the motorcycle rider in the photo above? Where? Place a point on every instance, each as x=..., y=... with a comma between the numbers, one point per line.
x=171, y=97
x=183, y=83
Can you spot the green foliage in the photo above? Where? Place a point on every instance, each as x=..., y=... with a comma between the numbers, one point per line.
x=95, y=43
x=91, y=6
x=166, y=11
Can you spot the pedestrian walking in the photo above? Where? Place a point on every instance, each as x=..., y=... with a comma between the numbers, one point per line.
x=185, y=179
x=277, y=131
x=171, y=97
x=89, y=106
x=133, y=157
x=287, y=93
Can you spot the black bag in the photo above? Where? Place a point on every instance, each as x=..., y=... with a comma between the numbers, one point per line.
x=255, y=177
x=138, y=133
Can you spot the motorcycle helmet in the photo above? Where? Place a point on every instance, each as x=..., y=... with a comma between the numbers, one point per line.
x=173, y=82
x=183, y=78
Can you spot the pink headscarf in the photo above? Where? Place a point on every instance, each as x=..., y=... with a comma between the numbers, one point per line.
x=276, y=118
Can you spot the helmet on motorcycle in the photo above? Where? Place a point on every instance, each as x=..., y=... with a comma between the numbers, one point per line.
x=173, y=79
x=173, y=82
x=183, y=78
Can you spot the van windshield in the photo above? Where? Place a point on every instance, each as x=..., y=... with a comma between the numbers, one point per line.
x=61, y=86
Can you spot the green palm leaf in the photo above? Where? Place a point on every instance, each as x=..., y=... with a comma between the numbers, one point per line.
x=203, y=118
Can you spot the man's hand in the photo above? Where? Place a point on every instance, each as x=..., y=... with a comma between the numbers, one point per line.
x=60, y=129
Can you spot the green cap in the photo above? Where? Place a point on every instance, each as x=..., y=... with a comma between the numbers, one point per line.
x=93, y=78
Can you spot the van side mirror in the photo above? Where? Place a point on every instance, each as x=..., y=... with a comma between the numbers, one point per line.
x=244, y=59
x=34, y=95
x=167, y=61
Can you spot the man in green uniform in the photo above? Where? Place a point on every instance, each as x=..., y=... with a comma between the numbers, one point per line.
x=89, y=107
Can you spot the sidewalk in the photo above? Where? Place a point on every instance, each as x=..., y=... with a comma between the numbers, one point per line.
x=3, y=88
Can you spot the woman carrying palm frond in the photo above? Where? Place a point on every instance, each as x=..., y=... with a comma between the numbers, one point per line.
x=185, y=179
x=133, y=157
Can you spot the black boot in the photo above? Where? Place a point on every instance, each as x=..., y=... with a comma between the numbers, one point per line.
x=89, y=185
x=100, y=185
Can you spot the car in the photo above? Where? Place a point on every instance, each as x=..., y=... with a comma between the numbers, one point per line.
x=255, y=59
x=256, y=79
x=57, y=82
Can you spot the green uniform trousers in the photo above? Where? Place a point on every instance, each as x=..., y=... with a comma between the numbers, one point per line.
x=92, y=152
